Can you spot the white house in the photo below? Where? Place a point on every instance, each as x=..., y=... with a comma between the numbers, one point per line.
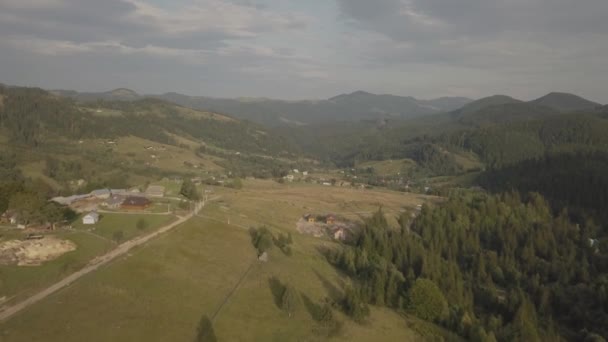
x=90, y=218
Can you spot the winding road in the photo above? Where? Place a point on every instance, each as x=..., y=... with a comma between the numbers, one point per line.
x=94, y=264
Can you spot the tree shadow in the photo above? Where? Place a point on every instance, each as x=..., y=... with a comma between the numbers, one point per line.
x=313, y=308
x=277, y=289
x=333, y=291
x=204, y=331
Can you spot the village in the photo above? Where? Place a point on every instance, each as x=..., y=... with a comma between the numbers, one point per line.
x=328, y=225
x=108, y=215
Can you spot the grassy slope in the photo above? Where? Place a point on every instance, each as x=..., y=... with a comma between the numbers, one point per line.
x=161, y=291
x=127, y=223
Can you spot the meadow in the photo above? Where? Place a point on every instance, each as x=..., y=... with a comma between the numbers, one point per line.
x=208, y=268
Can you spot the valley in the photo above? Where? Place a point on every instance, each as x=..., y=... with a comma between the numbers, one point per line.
x=434, y=226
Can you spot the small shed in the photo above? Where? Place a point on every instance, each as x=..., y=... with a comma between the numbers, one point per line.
x=90, y=218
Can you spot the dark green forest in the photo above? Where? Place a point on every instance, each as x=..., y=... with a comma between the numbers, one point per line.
x=488, y=267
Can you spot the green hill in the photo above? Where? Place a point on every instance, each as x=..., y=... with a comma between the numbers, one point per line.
x=565, y=102
x=146, y=138
x=480, y=104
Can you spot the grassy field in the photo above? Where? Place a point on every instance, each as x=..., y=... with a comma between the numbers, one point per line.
x=109, y=224
x=389, y=167
x=207, y=267
x=164, y=157
x=281, y=205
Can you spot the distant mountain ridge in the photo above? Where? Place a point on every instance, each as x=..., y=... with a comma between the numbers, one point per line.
x=354, y=106
x=565, y=102
x=360, y=105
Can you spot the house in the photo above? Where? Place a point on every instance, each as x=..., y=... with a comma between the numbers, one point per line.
x=330, y=219
x=296, y=171
x=101, y=193
x=90, y=218
x=135, y=203
x=305, y=173
x=155, y=191
x=121, y=192
x=289, y=178
x=310, y=218
x=340, y=234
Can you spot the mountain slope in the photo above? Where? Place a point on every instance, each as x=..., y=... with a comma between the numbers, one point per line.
x=565, y=102
x=33, y=116
x=119, y=94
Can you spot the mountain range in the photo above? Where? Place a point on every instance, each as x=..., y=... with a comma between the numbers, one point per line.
x=355, y=106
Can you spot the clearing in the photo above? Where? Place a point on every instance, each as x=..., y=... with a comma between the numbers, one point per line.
x=33, y=252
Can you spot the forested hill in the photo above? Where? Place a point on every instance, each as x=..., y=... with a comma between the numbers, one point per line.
x=355, y=106
x=565, y=102
x=31, y=116
x=499, y=129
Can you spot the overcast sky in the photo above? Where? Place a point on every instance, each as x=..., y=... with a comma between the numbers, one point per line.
x=308, y=48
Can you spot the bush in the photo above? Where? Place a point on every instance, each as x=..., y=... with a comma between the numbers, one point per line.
x=142, y=224
x=426, y=301
x=118, y=235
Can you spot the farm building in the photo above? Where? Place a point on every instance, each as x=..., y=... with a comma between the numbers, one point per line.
x=113, y=202
x=310, y=218
x=155, y=191
x=90, y=218
x=101, y=193
x=70, y=199
x=135, y=203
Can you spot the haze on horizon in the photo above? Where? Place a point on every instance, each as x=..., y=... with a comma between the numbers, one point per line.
x=308, y=49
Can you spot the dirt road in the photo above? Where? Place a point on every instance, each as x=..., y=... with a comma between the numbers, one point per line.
x=94, y=264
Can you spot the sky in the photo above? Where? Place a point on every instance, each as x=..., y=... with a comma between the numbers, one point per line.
x=295, y=49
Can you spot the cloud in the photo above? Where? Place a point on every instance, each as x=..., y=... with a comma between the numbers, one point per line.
x=138, y=23
x=515, y=36
x=295, y=49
